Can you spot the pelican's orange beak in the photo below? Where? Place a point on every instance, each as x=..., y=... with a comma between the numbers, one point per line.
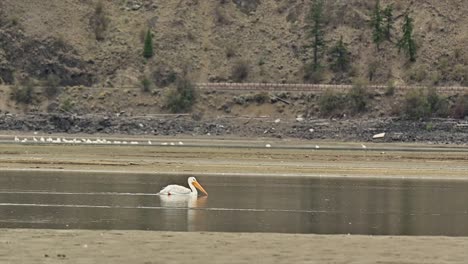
x=199, y=187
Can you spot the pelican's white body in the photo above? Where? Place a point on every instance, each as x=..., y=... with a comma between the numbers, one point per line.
x=174, y=189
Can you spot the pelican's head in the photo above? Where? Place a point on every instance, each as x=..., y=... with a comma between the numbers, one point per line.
x=194, y=182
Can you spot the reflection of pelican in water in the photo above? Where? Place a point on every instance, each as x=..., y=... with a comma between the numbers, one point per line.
x=181, y=190
x=181, y=212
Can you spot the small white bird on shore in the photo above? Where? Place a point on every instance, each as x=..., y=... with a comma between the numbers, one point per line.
x=17, y=139
x=149, y=142
x=268, y=146
x=363, y=146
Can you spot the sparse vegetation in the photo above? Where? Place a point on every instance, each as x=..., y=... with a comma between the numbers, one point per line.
x=390, y=90
x=240, y=71
x=358, y=97
x=460, y=109
x=182, y=98
x=417, y=74
x=407, y=42
x=415, y=105
x=148, y=48
x=424, y=103
x=312, y=75
x=230, y=51
x=388, y=22
x=220, y=17
x=261, y=98
x=145, y=84
x=162, y=75
x=330, y=102
x=460, y=74
x=382, y=24
x=23, y=93
x=316, y=33
x=377, y=25
x=67, y=105
x=340, y=57
x=99, y=21
x=372, y=68
x=51, y=85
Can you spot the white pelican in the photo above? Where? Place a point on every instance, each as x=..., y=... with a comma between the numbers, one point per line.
x=181, y=190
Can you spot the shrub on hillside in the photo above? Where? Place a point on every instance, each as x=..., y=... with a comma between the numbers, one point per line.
x=438, y=105
x=358, y=97
x=182, y=98
x=416, y=105
x=390, y=90
x=460, y=109
x=240, y=71
x=23, y=93
x=313, y=75
x=51, y=85
x=261, y=98
x=99, y=21
x=330, y=102
x=163, y=75
x=145, y=84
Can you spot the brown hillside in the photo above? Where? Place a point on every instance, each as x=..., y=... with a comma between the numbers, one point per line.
x=207, y=38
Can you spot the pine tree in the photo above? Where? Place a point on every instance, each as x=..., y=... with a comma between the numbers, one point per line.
x=407, y=42
x=376, y=22
x=148, y=48
x=316, y=32
x=340, y=57
x=388, y=16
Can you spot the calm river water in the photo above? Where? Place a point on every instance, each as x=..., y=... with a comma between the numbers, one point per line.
x=77, y=200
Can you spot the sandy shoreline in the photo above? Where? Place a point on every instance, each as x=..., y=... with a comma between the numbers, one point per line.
x=84, y=246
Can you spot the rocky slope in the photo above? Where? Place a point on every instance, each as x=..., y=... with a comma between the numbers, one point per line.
x=208, y=38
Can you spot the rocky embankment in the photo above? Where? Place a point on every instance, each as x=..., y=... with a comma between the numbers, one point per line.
x=437, y=131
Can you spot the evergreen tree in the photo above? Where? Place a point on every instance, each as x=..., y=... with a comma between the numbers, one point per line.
x=340, y=57
x=316, y=32
x=148, y=48
x=407, y=42
x=388, y=27
x=377, y=27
